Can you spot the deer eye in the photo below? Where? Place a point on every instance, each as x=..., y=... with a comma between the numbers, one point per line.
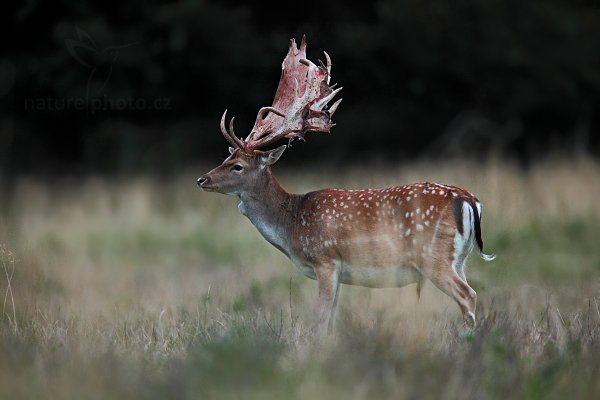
x=237, y=168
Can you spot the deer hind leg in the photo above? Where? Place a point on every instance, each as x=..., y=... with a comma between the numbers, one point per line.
x=449, y=282
x=329, y=287
x=455, y=279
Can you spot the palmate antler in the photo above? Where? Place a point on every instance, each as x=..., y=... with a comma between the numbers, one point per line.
x=300, y=104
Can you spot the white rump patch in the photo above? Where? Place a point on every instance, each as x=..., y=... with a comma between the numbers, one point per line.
x=463, y=243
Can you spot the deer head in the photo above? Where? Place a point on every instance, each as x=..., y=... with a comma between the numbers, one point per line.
x=300, y=106
x=241, y=171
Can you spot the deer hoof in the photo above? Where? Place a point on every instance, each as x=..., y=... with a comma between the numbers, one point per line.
x=470, y=320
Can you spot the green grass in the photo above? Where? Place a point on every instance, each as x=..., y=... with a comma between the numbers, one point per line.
x=140, y=288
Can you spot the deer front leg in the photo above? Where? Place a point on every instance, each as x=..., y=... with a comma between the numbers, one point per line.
x=328, y=284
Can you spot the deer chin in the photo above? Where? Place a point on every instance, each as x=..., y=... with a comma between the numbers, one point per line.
x=216, y=189
x=208, y=188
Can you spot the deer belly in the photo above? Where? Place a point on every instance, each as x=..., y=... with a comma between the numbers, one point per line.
x=378, y=277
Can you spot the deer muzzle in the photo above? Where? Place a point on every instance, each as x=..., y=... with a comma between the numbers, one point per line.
x=204, y=183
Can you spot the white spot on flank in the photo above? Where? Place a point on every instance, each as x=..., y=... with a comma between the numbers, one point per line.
x=408, y=198
x=418, y=210
x=419, y=227
x=407, y=233
x=431, y=207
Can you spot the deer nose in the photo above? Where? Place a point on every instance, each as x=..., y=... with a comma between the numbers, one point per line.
x=202, y=180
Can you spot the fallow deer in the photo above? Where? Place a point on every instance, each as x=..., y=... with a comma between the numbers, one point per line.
x=374, y=237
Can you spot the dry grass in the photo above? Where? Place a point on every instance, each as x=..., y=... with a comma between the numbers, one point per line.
x=147, y=288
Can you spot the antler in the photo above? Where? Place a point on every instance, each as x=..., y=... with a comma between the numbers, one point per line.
x=300, y=104
x=230, y=136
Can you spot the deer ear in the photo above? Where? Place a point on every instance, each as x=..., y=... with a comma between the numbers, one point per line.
x=231, y=150
x=270, y=157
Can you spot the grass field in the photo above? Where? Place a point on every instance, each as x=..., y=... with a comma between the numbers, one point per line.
x=149, y=288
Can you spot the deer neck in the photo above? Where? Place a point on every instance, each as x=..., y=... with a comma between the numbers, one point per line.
x=271, y=210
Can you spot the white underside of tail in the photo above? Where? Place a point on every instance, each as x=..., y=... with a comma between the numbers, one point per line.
x=485, y=257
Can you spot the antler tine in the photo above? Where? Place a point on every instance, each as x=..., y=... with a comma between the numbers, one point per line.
x=239, y=141
x=334, y=107
x=321, y=104
x=260, y=116
x=328, y=67
x=230, y=137
x=232, y=132
x=303, y=43
x=307, y=62
x=224, y=130
x=328, y=61
x=264, y=110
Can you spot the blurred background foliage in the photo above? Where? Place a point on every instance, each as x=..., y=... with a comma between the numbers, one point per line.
x=469, y=78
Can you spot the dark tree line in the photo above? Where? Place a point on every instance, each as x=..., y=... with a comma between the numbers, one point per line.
x=138, y=85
